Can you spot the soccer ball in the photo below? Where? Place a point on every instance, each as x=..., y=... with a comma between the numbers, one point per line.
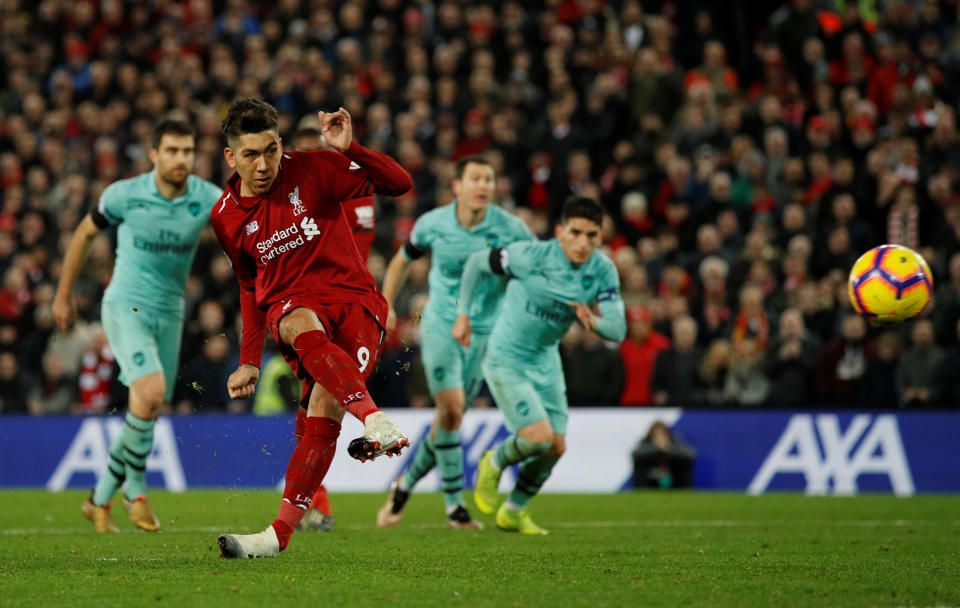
x=890, y=284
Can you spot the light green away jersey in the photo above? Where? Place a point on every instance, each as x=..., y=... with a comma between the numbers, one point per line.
x=537, y=312
x=450, y=244
x=156, y=238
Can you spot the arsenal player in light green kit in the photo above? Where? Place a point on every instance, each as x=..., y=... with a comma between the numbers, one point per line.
x=450, y=234
x=159, y=216
x=552, y=284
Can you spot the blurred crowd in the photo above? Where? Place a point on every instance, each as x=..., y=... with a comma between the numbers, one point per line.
x=747, y=153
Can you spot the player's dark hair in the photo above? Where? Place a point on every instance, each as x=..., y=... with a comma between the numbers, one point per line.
x=170, y=126
x=249, y=116
x=582, y=206
x=476, y=159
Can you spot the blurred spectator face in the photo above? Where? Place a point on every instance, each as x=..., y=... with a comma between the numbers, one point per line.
x=684, y=333
x=746, y=352
x=888, y=347
x=708, y=239
x=770, y=110
x=53, y=366
x=211, y=316
x=638, y=323
x=309, y=140
x=922, y=333
x=791, y=323
x=794, y=219
x=475, y=186
x=633, y=207
x=751, y=301
x=8, y=367
x=635, y=279
x=839, y=240
x=854, y=328
x=727, y=222
x=216, y=348
x=844, y=208
x=713, y=273
x=775, y=143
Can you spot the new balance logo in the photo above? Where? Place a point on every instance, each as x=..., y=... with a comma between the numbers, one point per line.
x=353, y=166
x=251, y=227
x=309, y=228
x=294, y=197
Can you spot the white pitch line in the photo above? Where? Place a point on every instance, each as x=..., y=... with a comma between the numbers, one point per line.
x=709, y=523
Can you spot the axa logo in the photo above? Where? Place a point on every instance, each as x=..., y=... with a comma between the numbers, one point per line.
x=309, y=228
x=251, y=227
x=832, y=459
x=294, y=197
x=89, y=453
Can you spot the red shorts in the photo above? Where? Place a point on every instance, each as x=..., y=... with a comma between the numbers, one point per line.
x=349, y=325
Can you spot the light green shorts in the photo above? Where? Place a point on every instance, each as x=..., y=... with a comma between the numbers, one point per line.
x=449, y=365
x=528, y=393
x=143, y=341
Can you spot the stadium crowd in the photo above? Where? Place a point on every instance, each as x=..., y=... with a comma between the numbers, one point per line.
x=747, y=153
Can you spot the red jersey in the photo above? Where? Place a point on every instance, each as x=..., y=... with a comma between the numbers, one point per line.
x=295, y=239
x=361, y=218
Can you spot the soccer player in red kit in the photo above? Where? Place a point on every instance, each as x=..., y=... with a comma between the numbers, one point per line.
x=301, y=277
x=359, y=213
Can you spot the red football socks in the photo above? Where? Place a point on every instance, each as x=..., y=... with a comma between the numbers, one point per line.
x=308, y=466
x=321, y=501
x=335, y=371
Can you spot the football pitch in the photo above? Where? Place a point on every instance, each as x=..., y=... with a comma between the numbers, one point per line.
x=630, y=549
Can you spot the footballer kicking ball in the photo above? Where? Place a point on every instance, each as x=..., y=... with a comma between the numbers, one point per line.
x=890, y=284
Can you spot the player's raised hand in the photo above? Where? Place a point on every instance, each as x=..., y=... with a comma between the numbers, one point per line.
x=64, y=311
x=584, y=315
x=337, y=128
x=461, y=330
x=243, y=382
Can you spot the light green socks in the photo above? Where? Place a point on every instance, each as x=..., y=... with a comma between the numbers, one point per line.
x=450, y=462
x=114, y=475
x=533, y=474
x=517, y=449
x=137, y=442
x=423, y=461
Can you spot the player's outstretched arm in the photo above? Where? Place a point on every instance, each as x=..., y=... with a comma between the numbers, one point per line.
x=478, y=265
x=393, y=280
x=387, y=175
x=64, y=306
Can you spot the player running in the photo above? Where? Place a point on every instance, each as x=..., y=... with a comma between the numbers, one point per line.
x=554, y=283
x=159, y=216
x=451, y=233
x=301, y=277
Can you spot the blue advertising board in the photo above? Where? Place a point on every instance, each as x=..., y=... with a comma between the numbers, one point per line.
x=834, y=452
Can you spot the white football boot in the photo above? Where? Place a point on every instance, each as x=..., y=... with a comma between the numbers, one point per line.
x=380, y=436
x=261, y=544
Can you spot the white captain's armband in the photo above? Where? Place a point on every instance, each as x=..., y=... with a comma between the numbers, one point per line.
x=500, y=261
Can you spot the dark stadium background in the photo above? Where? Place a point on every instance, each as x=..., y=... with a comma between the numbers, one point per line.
x=747, y=153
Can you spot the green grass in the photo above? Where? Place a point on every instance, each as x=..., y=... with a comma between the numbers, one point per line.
x=638, y=549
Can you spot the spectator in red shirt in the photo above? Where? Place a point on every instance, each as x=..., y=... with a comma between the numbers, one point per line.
x=639, y=353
